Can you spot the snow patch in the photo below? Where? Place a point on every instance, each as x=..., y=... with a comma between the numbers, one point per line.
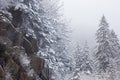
x=8, y=76
x=24, y=60
x=30, y=72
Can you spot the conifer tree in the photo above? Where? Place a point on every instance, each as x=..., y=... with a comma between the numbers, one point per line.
x=83, y=63
x=114, y=41
x=78, y=61
x=87, y=62
x=104, y=52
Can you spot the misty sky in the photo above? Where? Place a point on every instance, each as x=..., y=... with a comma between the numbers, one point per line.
x=85, y=16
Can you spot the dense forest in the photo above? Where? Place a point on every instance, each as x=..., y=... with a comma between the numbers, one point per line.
x=35, y=45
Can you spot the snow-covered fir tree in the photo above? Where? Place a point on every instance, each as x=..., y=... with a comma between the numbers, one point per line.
x=107, y=54
x=115, y=45
x=77, y=57
x=58, y=59
x=103, y=53
x=115, y=61
x=83, y=62
x=87, y=65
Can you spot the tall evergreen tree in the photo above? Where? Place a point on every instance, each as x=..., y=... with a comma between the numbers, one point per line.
x=83, y=63
x=115, y=45
x=78, y=61
x=103, y=31
x=104, y=52
x=107, y=54
x=87, y=65
x=115, y=61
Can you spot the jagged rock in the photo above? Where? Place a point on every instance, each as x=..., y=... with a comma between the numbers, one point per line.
x=2, y=62
x=6, y=41
x=28, y=46
x=2, y=48
x=24, y=76
x=3, y=32
x=16, y=38
x=2, y=54
x=37, y=63
x=46, y=73
x=13, y=44
x=33, y=43
x=2, y=72
x=12, y=67
x=2, y=79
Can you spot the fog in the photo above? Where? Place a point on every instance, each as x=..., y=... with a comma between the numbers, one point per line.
x=85, y=16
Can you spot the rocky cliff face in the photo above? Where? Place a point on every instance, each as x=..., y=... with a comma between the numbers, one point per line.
x=17, y=58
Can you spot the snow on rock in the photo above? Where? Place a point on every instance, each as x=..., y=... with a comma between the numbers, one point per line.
x=30, y=72
x=8, y=76
x=52, y=51
x=24, y=60
x=31, y=32
x=21, y=6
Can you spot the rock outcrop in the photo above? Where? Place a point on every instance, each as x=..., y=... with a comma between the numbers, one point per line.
x=17, y=58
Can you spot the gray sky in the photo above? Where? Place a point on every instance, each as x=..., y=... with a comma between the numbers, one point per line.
x=85, y=16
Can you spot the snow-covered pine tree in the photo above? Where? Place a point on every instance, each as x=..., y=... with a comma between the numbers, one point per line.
x=115, y=45
x=77, y=57
x=115, y=61
x=103, y=31
x=87, y=65
x=107, y=54
x=57, y=51
x=103, y=53
x=83, y=63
